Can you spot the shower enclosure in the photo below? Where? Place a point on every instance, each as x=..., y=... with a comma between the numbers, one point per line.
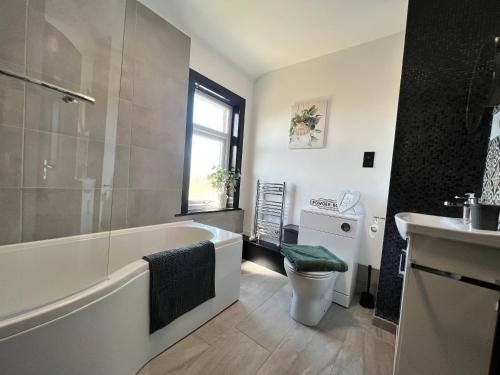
x=60, y=73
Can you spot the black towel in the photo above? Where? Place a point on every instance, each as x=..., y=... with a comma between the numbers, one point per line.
x=179, y=280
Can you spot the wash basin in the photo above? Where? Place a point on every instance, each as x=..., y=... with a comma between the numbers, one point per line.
x=444, y=227
x=404, y=219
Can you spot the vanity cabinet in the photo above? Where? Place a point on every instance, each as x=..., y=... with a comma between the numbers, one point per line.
x=449, y=312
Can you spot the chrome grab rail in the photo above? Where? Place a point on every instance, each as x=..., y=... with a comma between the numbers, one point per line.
x=68, y=95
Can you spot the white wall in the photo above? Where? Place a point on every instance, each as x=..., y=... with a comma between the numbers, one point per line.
x=363, y=86
x=212, y=65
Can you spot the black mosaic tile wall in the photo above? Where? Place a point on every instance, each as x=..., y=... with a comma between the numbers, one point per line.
x=435, y=155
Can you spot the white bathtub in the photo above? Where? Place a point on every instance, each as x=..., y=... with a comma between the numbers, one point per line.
x=102, y=325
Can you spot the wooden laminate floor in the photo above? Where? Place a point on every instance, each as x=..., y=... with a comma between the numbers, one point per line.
x=256, y=335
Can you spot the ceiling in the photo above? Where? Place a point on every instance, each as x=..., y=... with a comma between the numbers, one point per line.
x=264, y=35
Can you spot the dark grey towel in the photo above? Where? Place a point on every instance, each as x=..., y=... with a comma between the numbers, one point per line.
x=179, y=280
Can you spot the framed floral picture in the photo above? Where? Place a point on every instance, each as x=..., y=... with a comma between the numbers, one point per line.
x=308, y=124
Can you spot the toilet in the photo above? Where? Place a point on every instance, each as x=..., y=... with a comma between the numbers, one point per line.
x=314, y=292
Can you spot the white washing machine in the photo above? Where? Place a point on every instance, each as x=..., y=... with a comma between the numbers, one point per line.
x=339, y=233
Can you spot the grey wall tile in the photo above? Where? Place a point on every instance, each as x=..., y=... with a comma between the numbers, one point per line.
x=122, y=167
x=53, y=213
x=74, y=160
x=147, y=207
x=146, y=169
x=123, y=132
x=154, y=169
x=10, y=216
x=149, y=134
x=161, y=65
x=174, y=203
x=153, y=88
x=127, y=77
x=103, y=201
x=227, y=220
x=45, y=46
x=47, y=112
x=97, y=116
x=166, y=46
x=149, y=127
x=119, y=209
x=160, y=127
x=11, y=101
x=12, y=32
x=89, y=37
x=10, y=156
x=154, y=82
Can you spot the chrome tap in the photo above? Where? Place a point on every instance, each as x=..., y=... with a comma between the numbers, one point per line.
x=468, y=200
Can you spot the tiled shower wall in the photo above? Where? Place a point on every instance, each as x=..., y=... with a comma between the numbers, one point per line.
x=436, y=156
x=79, y=47
x=116, y=164
x=152, y=113
x=152, y=117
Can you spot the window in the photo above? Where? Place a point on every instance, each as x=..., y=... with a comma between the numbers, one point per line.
x=214, y=137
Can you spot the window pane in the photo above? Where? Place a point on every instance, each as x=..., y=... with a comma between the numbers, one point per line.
x=236, y=124
x=211, y=113
x=206, y=153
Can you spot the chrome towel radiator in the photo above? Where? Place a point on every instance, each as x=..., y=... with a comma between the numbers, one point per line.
x=269, y=212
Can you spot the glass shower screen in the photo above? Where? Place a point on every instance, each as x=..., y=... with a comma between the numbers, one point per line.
x=58, y=127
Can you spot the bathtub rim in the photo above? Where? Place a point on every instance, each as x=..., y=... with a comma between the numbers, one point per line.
x=45, y=314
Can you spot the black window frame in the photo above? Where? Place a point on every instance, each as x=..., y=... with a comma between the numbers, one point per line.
x=217, y=91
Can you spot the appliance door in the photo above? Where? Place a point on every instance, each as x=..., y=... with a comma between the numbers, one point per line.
x=447, y=327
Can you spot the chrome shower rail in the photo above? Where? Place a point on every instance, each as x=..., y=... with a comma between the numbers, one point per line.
x=68, y=96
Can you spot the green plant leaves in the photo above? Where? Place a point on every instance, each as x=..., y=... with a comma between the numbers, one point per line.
x=223, y=179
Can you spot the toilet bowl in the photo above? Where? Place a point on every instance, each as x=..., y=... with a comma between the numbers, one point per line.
x=312, y=294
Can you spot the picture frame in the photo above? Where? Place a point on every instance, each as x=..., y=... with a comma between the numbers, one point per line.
x=308, y=124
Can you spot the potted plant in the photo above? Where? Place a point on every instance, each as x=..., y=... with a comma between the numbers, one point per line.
x=225, y=182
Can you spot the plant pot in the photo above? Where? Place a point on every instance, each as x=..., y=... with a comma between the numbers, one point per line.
x=222, y=200
x=230, y=202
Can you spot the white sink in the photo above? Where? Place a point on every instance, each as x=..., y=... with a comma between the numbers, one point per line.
x=444, y=227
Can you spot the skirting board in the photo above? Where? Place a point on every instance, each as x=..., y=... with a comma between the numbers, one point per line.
x=263, y=253
x=384, y=324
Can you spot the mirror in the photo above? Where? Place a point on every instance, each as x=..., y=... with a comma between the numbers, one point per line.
x=483, y=110
x=491, y=179
x=484, y=87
